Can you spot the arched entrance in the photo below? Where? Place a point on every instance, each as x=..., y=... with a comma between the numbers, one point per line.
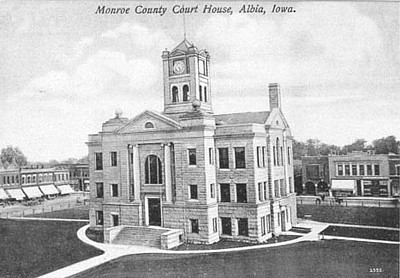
x=310, y=188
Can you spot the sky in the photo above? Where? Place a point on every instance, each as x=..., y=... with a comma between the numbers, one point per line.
x=65, y=70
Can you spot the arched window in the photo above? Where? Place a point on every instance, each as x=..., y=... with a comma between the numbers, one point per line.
x=277, y=152
x=34, y=179
x=29, y=179
x=205, y=94
x=201, y=93
x=149, y=125
x=153, y=170
x=175, y=97
x=185, y=96
x=23, y=179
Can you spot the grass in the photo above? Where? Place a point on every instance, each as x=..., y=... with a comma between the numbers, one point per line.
x=385, y=217
x=223, y=244
x=378, y=234
x=328, y=258
x=31, y=248
x=81, y=212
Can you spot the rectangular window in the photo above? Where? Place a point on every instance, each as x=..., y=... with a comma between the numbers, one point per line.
x=114, y=190
x=369, y=170
x=215, y=224
x=274, y=152
x=290, y=184
x=99, y=161
x=193, y=192
x=265, y=191
x=260, y=193
x=263, y=156
x=354, y=170
x=243, y=227
x=194, y=224
x=192, y=156
x=269, y=224
x=276, y=185
x=99, y=190
x=397, y=170
x=115, y=219
x=99, y=217
x=340, y=170
x=278, y=218
x=241, y=193
x=240, y=158
x=263, y=226
x=288, y=155
x=361, y=170
x=225, y=192
x=223, y=158
x=259, y=157
x=212, y=190
x=226, y=226
x=282, y=185
x=211, y=156
x=347, y=170
x=376, y=169
x=113, y=156
x=131, y=158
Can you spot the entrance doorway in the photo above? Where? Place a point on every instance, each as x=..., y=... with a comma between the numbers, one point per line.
x=154, y=210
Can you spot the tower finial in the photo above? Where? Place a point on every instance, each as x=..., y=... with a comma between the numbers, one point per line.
x=184, y=26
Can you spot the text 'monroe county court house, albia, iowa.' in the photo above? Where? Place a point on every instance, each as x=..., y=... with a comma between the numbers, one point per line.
x=212, y=176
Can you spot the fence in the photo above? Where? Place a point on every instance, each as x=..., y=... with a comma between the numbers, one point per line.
x=25, y=211
x=361, y=202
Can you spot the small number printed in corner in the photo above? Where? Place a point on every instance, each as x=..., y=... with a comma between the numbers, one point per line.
x=376, y=270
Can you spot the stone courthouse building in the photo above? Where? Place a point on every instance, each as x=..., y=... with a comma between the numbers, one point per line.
x=208, y=176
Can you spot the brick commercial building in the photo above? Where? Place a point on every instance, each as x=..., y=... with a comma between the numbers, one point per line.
x=211, y=176
x=356, y=174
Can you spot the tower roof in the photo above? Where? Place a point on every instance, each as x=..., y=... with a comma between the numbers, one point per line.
x=183, y=46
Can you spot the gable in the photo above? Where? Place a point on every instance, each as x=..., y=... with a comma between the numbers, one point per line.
x=277, y=120
x=149, y=121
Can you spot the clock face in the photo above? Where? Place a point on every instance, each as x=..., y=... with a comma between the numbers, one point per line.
x=179, y=67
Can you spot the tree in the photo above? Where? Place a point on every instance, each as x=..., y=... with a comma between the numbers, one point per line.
x=386, y=145
x=358, y=145
x=299, y=149
x=13, y=156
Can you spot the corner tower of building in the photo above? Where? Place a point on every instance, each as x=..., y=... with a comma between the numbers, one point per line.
x=186, y=79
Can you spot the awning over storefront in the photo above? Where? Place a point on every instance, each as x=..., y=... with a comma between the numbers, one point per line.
x=65, y=189
x=16, y=194
x=32, y=192
x=3, y=194
x=347, y=185
x=49, y=189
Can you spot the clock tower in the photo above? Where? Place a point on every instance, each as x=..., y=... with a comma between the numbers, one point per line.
x=186, y=80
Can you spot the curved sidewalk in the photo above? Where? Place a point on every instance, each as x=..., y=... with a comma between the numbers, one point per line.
x=113, y=251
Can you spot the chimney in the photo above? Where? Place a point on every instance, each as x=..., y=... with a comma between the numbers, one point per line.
x=274, y=96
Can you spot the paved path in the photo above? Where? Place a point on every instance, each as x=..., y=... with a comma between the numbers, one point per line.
x=113, y=251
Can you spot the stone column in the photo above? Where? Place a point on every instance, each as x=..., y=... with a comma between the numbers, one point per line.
x=136, y=172
x=167, y=164
x=362, y=187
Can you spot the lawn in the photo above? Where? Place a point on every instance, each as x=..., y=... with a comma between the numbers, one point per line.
x=328, y=258
x=385, y=217
x=30, y=248
x=81, y=212
x=378, y=234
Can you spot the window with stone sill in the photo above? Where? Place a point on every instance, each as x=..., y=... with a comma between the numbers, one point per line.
x=194, y=224
x=193, y=192
x=192, y=157
x=240, y=158
x=114, y=190
x=226, y=226
x=153, y=170
x=223, y=156
x=241, y=193
x=113, y=157
x=243, y=227
x=99, y=217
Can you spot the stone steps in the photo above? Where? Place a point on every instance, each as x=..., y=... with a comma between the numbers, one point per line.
x=139, y=236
